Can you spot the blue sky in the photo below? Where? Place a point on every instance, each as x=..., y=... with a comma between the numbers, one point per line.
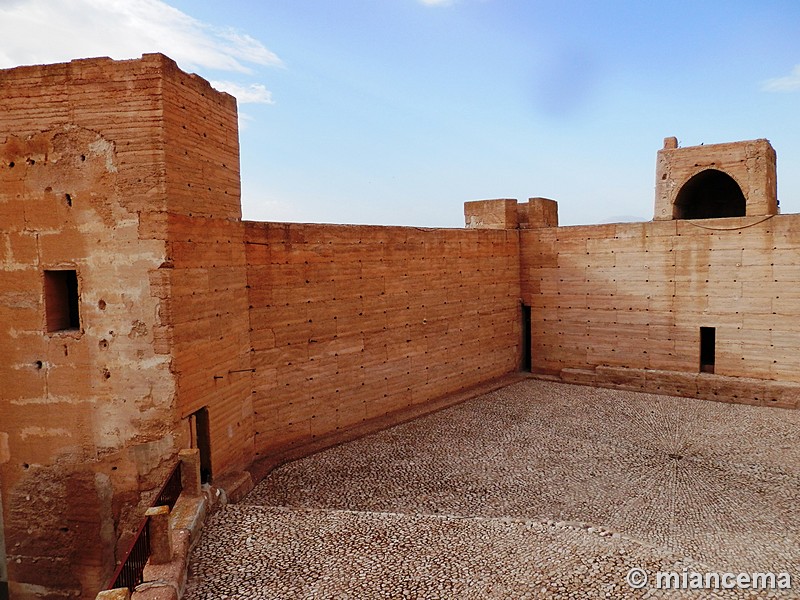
x=398, y=111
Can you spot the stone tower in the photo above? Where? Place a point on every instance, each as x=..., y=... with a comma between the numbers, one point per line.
x=121, y=264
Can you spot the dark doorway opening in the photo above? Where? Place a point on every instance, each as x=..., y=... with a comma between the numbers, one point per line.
x=708, y=342
x=710, y=194
x=61, y=301
x=201, y=439
x=526, y=339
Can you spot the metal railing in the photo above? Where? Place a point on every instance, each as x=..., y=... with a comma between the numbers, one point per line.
x=171, y=489
x=130, y=571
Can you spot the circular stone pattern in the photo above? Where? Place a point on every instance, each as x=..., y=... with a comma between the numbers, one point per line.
x=538, y=490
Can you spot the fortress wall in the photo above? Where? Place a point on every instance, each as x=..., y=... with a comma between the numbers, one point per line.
x=86, y=414
x=205, y=312
x=354, y=322
x=635, y=295
x=126, y=174
x=203, y=281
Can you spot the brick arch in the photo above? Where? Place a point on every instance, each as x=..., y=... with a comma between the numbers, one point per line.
x=710, y=194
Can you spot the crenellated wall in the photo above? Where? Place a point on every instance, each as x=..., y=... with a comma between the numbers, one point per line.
x=124, y=176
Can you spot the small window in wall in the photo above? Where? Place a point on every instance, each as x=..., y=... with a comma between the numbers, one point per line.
x=708, y=342
x=526, y=338
x=61, y=300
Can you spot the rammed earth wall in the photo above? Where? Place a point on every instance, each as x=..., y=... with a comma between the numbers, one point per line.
x=635, y=295
x=350, y=323
x=121, y=179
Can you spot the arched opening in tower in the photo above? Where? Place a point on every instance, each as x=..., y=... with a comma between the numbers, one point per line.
x=710, y=194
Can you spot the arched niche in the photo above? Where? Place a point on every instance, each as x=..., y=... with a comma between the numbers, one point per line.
x=710, y=194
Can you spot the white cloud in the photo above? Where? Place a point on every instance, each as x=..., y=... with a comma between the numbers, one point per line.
x=436, y=2
x=244, y=120
x=47, y=31
x=249, y=49
x=789, y=83
x=255, y=93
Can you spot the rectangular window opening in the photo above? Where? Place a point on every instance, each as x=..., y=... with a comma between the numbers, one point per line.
x=61, y=301
x=708, y=342
x=526, y=358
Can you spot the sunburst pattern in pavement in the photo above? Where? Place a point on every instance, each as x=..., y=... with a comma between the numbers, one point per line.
x=718, y=482
x=518, y=492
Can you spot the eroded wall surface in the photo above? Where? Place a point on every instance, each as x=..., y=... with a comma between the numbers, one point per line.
x=85, y=414
x=635, y=295
x=349, y=323
x=127, y=173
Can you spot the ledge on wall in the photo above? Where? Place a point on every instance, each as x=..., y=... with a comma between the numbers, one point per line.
x=705, y=386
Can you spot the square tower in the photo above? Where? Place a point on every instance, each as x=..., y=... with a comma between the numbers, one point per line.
x=121, y=265
x=735, y=179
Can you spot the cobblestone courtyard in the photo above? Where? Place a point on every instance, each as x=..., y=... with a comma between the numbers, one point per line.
x=537, y=490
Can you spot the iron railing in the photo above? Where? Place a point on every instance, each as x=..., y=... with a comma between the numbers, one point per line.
x=171, y=489
x=130, y=571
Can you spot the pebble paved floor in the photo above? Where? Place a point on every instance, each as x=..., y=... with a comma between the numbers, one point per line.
x=538, y=490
